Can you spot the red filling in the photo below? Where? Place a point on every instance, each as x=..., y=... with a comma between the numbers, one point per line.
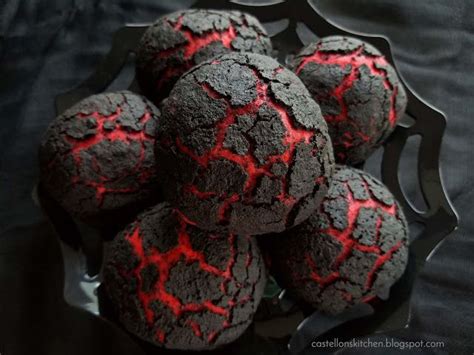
x=349, y=243
x=164, y=263
x=355, y=60
x=80, y=146
x=247, y=161
x=225, y=206
x=196, y=328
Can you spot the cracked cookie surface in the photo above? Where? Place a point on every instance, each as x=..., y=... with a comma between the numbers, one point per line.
x=182, y=288
x=359, y=93
x=97, y=158
x=352, y=248
x=244, y=145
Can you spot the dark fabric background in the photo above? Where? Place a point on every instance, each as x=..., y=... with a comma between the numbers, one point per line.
x=47, y=47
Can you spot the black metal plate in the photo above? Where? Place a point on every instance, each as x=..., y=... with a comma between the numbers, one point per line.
x=438, y=220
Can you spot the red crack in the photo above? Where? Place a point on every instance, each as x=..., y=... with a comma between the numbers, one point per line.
x=346, y=295
x=225, y=207
x=350, y=243
x=278, y=70
x=369, y=298
x=247, y=161
x=118, y=133
x=194, y=43
x=382, y=259
x=192, y=189
x=160, y=336
x=284, y=196
x=355, y=59
x=184, y=218
x=212, y=337
x=165, y=262
x=322, y=281
x=196, y=328
x=248, y=258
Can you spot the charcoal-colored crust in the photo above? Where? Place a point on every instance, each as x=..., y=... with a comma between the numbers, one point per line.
x=97, y=158
x=178, y=41
x=245, y=147
x=202, y=289
x=353, y=248
x=359, y=93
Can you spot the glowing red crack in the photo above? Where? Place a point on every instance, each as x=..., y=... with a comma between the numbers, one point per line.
x=382, y=259
x=355, y=59
x=320, y=280
x=284, y=196
x=196, y=328
x=160, y=336
x=194, y=43
x=196, y=192
x=278, y=70
x=212, y=337
x=225, y=207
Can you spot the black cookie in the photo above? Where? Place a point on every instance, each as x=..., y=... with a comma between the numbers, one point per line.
x=179, y=287
x=358, y=90
x=97, y=158
x=244, y=146
x=354, y=247
x=178, y=41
